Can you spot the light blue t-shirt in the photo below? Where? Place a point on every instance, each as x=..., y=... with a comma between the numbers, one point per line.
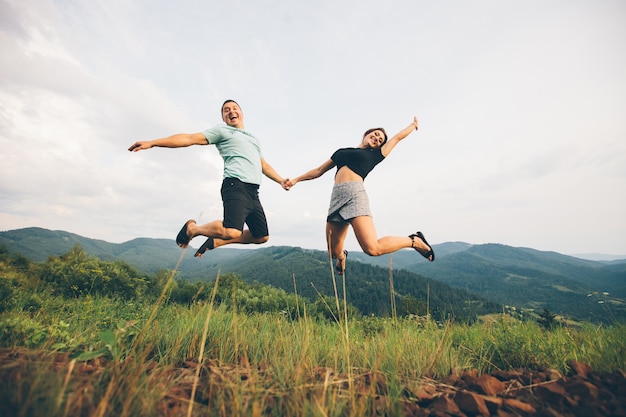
x=240, y=150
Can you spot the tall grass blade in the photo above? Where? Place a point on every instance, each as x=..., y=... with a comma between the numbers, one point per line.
x=205, y=332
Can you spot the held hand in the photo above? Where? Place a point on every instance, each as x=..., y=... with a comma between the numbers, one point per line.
x=137, y=146
x=288, y=184
x=415, y=123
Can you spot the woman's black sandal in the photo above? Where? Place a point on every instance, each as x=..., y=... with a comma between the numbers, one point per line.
x=430, y=255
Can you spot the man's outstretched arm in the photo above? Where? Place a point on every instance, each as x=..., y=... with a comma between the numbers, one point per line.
x=179, y=140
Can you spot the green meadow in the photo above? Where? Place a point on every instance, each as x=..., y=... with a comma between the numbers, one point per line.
x=83, y=337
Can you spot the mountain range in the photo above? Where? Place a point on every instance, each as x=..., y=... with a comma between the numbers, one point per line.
x=486, y=276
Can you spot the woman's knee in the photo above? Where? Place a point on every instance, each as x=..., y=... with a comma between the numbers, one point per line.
x=371, y=250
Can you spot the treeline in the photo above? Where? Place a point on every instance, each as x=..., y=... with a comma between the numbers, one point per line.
x=261, y=289
x=77, y=275
x=369, y=288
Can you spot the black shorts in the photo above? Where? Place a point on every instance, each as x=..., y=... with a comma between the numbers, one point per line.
x=242, y=205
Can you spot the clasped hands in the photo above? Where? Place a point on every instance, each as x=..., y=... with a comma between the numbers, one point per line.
x=287, y=184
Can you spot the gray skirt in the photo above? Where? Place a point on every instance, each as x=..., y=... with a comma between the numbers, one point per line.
x=347, y=201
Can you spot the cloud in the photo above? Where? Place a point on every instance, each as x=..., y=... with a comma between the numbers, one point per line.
x=520, y=108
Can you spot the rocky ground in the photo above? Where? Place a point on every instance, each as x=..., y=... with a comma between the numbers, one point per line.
x=582, y=392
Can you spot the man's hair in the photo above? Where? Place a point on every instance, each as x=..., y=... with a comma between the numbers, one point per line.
x=229, y=101
x=368, y=131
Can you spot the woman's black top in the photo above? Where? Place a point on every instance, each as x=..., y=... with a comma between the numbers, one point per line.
x=360, y=160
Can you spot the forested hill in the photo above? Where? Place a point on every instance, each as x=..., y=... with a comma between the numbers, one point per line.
x=308, y=272
x=523, y=277
x=520, y=277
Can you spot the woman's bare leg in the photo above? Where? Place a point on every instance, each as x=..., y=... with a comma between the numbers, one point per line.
x=335, y=236
x=365, y=233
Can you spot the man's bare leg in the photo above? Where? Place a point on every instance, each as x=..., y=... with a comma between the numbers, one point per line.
x=218, y=235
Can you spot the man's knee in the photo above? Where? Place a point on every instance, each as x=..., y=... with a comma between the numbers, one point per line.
x=231, y=234
x=260, y=240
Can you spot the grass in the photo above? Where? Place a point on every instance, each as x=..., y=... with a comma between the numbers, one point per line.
x=104, y=357
x=101, y=356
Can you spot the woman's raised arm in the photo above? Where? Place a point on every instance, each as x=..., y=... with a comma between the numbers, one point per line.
x=391, y=143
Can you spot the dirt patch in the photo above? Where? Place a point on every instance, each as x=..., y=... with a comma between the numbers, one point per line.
x=581, y=392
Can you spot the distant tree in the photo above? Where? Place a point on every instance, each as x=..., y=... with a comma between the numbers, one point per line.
x=7, y=293
x=4, y=253
x=157, y=283
x=407, y=305
x=77, y=274
x=547, y=319
x=20, y=262
x=185, y=292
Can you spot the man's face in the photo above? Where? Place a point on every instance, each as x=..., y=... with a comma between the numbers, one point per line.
x=232, y=115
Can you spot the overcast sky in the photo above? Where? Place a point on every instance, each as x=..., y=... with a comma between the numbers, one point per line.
x=521, y=105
